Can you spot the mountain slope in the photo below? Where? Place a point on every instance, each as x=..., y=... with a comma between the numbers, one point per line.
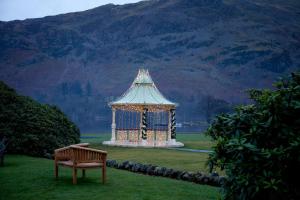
x=194, y=49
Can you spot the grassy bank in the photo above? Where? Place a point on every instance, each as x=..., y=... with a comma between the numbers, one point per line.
x=180, y=160
x=29, y=178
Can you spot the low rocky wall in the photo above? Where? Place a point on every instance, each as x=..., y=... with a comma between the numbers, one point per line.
x=197, y=177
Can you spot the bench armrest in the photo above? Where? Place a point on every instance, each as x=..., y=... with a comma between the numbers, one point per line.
x=82, y=144
x=88, y=149
x=64, y=153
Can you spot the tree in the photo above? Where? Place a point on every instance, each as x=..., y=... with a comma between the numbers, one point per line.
x=88, y=89
x=33, y=128
x=75, y=88
x=259, y=144
x=64, y=89
x=211, y=106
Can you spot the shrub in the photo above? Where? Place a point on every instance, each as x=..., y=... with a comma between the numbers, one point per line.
x=33, y=128
x=259, y=144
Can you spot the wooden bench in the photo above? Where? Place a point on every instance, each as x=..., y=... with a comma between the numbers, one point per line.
x=80, y=157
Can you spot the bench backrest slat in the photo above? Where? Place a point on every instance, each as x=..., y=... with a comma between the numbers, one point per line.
x=80, y=154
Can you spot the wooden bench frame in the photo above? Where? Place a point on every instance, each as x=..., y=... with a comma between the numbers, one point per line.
x=80, y=157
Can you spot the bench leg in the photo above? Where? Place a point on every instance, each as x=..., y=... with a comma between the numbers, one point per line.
x=74, y=176
x=83, y=173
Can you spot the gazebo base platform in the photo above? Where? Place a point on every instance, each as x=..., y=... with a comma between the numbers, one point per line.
x=146, y=144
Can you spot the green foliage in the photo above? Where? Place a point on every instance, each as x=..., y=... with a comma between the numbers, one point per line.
x=259, y=144
x=33, y=128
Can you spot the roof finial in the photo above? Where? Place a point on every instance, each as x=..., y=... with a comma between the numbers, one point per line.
x=143, y=77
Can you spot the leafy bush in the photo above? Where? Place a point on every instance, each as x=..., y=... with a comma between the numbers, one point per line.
x=259, y=145
x=33, y=128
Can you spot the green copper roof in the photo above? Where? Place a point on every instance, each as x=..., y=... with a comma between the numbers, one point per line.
x=143, y=91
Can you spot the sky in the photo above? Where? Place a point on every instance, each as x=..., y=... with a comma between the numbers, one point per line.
x=23, y=9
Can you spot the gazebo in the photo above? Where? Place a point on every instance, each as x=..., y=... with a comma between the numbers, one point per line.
x=142, y=116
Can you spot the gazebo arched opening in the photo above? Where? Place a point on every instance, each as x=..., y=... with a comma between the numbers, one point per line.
x=142, y=116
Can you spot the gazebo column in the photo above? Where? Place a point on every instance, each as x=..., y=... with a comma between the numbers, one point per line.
x=144, y=126
x=169, y=126
x=173, y=126
x=113, y=125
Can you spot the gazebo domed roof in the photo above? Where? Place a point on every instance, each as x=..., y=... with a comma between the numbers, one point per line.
x=143, y=92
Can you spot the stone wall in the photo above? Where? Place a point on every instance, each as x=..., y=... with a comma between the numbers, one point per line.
x=197, y=177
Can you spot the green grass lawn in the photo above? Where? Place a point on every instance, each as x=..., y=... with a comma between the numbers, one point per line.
x=175, y=159
x=30, y=178
x=195, y=141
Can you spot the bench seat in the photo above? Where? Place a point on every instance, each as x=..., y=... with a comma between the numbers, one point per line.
x=70, y=163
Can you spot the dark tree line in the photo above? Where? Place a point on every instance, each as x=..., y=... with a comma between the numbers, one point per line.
x=211, y=106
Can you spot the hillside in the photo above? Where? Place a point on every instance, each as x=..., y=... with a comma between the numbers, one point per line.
x=195, y=50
